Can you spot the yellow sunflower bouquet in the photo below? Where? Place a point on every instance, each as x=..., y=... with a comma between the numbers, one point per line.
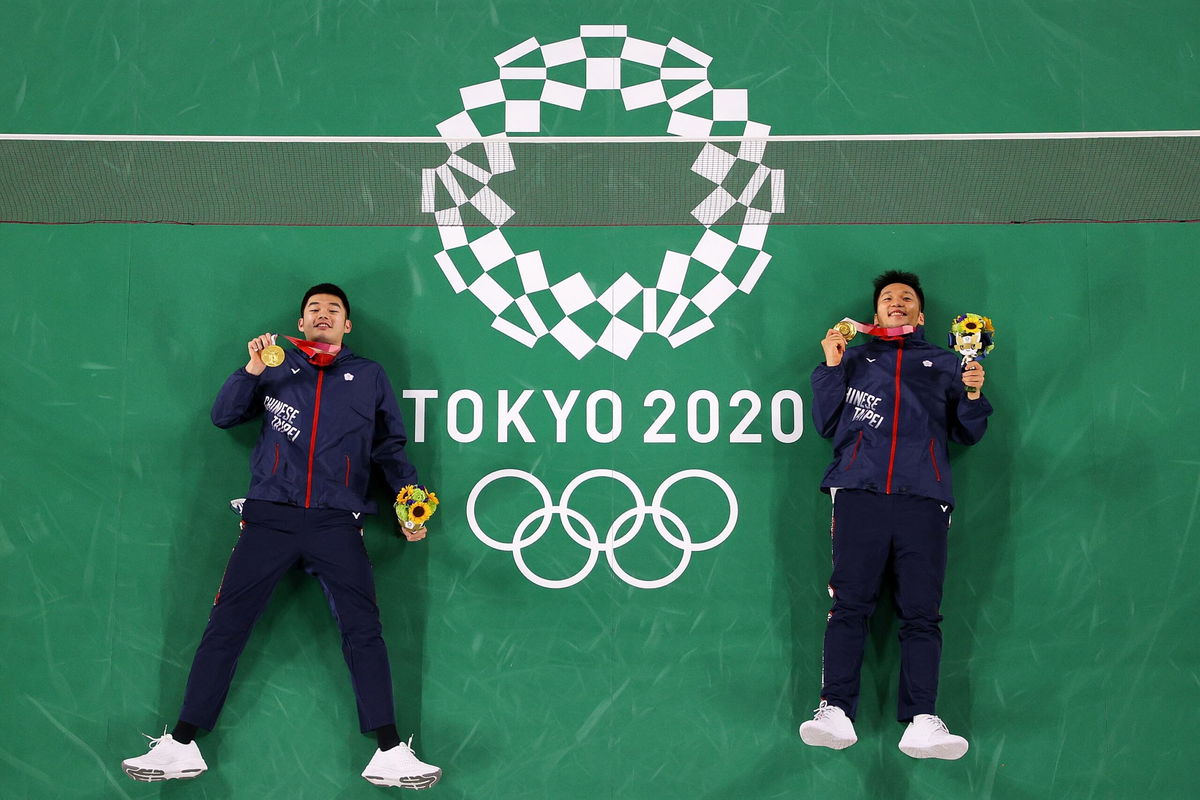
x=414, y=506
x=973, y=336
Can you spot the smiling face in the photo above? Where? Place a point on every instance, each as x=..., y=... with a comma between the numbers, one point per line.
x=898, y=305
x=324, y=319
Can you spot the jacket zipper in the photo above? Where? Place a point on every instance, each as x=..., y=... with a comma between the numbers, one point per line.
x=895, y=417
x=933, y=457
x=854, y=454
x=348, y=471
x=275, y=466
x=312, y=439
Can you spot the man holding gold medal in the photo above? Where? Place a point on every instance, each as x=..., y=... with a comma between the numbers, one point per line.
x=890, y=406
x=328, y=416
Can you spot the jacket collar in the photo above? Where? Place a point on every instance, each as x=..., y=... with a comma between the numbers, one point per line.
x=338, y=358
x=917, y=335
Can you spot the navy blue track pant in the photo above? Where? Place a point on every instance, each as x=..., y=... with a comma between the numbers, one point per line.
x=871, y=533
x=327, y=544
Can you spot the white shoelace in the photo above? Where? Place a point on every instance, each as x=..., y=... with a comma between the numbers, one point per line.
x=408, y=746
x=937, y=724
x=822, y=711
x=153, y=741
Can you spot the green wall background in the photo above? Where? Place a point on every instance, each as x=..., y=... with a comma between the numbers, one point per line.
x=1070, y=636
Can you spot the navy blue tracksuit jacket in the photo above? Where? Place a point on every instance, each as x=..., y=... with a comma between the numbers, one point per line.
x=311, y=459
x=891, y=407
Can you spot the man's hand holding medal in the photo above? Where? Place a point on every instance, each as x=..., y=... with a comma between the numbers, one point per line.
x=834, y=345
x=836, y=338
x=263, y=353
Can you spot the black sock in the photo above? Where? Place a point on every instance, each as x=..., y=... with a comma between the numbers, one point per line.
x=184, y=732
x=387, y=736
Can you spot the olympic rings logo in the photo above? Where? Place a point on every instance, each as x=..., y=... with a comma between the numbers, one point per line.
x=540, y=520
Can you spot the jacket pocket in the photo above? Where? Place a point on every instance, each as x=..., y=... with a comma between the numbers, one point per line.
x=347, y=470
x=275, y=465
x=854, y=452
x=937, y=473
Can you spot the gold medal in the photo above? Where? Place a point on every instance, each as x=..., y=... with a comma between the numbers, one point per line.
x=845, y=328
x=272, y=355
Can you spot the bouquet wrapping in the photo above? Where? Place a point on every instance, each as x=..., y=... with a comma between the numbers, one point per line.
x=414, y=506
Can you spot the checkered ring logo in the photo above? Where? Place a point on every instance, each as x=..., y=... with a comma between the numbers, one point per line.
x=477, y=259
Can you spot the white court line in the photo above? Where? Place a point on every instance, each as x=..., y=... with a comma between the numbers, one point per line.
x=869, y=137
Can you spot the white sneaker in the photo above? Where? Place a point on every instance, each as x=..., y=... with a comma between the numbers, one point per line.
x=927, y=737
x=829, y=727
x=166, y=760
x=401, y=767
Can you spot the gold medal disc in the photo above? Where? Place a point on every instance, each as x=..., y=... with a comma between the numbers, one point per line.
x=846, y=329
x=272, y=355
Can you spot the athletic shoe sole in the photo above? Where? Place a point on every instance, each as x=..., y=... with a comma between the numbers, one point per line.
x=948, y=751
x=822, y=738
x=156, y=775
x=407, y=782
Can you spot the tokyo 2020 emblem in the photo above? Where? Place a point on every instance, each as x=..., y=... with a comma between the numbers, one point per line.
x=745, y=193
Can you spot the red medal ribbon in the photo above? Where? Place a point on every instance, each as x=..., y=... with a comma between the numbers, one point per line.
x=320, y=354
x=887, y=334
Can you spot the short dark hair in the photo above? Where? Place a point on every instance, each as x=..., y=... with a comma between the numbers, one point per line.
x=898, y=276
x=326, y=288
